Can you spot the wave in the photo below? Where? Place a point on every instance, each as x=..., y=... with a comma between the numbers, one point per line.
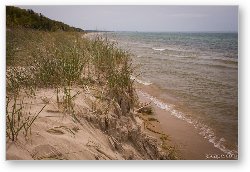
x=227, y=61
x=204, y=130
x=220, y=66
x=159, y=49
x=140, y=81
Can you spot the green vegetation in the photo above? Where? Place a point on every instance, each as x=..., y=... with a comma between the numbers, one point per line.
x=37, y=59
x=16, y=120
x=63, y=61
x=17, y=17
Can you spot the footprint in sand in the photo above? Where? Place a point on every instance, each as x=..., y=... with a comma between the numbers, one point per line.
x=43, y=152
x=61, y=130
x=55, y=131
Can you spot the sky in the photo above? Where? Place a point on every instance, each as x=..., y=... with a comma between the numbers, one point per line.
x=145, y=18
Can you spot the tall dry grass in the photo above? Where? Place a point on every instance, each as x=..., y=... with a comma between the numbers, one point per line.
x=62, y=60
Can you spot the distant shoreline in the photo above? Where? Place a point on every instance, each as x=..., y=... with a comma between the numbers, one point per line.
x=234, y=32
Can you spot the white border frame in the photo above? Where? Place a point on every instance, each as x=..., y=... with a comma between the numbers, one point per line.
x=244, y=86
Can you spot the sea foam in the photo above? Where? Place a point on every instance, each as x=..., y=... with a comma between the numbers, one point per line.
x=140, y=81
x=159, y=49
x=204, y=130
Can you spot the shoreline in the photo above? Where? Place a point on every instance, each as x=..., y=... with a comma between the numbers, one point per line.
x=186, y=137
x=105, y=128
x=193, y=145
x=92, y=117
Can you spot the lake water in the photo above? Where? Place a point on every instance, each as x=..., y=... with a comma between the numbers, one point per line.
x=197, y=74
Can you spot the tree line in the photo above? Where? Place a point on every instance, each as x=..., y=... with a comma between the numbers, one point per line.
x=17, y=17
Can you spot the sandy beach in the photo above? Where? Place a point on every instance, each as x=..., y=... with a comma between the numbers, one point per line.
x=191, y=145
x=79, y=94
x=56, y=136
x=93, y=117
x=89, y=136
x=59, y=136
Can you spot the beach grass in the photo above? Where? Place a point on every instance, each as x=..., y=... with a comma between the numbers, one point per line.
x=16, y=120
x=64, y=61
x=61, y=61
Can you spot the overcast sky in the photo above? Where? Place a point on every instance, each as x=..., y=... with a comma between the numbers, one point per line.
x=145, y=18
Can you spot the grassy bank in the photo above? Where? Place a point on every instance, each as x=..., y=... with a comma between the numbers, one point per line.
x=70, y=65
x=62, y=60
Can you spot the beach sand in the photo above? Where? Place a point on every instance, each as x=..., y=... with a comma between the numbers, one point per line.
x=57, y=135
x=184, y=136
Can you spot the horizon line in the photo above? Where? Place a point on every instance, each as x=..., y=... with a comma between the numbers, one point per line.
x=90, y=30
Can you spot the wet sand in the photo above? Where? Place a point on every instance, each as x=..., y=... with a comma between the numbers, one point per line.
x=191, y=145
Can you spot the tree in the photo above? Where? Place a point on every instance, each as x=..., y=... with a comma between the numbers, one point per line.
x=16, y=17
